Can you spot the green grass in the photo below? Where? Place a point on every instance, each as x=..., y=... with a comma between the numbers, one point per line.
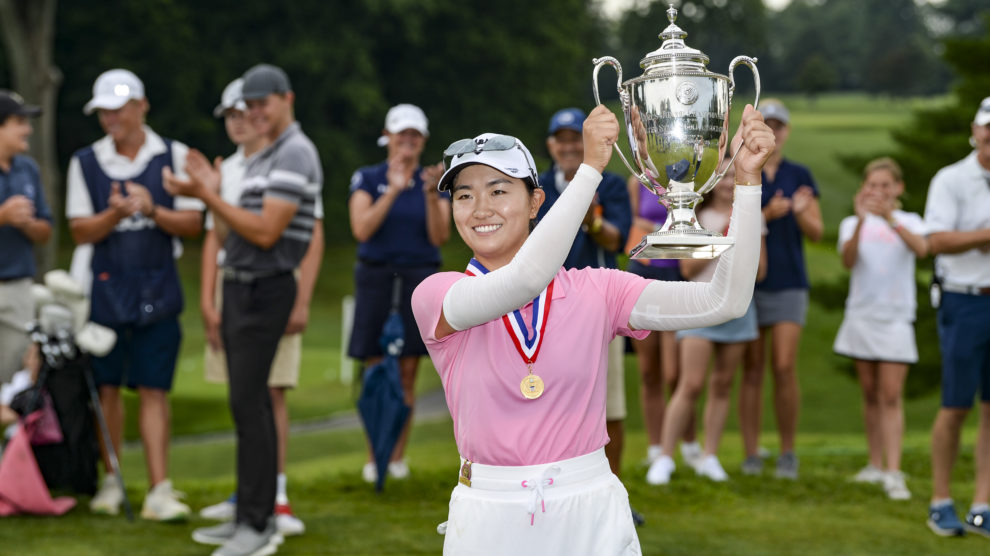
x=822, y=513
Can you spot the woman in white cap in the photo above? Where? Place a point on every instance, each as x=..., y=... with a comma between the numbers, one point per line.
x=400, y=221
x=521, y=345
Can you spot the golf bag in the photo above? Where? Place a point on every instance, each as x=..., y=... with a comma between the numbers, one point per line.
x=69, y=464
x=66, y=341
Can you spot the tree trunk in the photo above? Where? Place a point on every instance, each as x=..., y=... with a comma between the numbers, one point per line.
x=28, y=30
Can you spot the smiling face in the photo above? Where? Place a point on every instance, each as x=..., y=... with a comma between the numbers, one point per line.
x=781, y=132
x=883, y=184
x=124, y=123
x=567, y=150
x=270, y=115
x=239, y=130
x=492, y=212
x=407, y=144
x=14, y=134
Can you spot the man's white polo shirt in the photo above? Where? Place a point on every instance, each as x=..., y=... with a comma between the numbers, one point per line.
x=959, y=200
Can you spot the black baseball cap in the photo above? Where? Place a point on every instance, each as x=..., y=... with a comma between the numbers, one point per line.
x=263, y=80
x=11, y=104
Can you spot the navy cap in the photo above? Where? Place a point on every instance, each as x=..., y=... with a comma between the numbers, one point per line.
x=568, y=118
x=11, y=104
x=263, y=80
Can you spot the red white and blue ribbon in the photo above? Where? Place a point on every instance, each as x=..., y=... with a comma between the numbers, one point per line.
x=526, y=339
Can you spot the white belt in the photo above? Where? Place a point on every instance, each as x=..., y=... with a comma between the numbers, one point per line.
x=969, y=290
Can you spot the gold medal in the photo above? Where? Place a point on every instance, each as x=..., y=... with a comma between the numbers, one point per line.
x=532, y=385
x=465, y=478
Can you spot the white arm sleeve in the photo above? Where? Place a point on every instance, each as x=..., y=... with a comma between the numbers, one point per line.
x=476, y=300
x=682, y=305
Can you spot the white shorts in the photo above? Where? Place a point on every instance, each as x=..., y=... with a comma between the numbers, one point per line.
x=574, y=506
x=869, y=339
x=615, y=381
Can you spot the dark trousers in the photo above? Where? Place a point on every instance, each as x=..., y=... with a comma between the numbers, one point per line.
x=254, y=318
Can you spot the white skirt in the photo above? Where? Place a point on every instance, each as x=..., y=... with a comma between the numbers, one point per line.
x=574, y=506
x=862, y=337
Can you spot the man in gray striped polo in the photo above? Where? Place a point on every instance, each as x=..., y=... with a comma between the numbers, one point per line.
x=270, y=232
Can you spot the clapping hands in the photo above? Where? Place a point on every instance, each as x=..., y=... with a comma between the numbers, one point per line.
x=866, y=202
x=17, y=211
x=129, y=199
x=203, y=177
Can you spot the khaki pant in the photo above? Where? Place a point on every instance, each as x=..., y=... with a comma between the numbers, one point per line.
x=615, y=383
x=285, y=367
x=16, y=311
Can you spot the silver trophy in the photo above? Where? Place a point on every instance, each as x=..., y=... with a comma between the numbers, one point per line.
x=677, y=120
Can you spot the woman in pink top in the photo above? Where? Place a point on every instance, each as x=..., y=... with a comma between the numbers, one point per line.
x=521, y=345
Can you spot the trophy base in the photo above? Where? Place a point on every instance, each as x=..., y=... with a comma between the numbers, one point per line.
x=673, y=245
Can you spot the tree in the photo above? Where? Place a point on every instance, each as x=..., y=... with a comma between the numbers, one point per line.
x=883, y=46
x=935, y=138
x=28, y=29
x=816, y=76
x=721, y=29
x=498, y=66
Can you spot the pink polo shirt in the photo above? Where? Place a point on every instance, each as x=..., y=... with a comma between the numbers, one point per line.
x=481, y=369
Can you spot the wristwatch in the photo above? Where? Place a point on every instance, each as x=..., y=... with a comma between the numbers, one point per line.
x=596, y=225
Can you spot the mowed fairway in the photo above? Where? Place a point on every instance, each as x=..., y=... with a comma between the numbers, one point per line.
x=822, y=513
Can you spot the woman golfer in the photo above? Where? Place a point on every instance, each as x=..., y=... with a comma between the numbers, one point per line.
x=521, y=344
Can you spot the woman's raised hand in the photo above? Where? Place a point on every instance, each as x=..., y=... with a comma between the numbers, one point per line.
x=754, y=142
x=601, y=131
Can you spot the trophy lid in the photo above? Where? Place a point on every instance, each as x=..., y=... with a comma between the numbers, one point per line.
x=673, y=53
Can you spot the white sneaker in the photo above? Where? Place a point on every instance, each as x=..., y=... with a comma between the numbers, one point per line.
x=895, y=486
x=652, y=453
x=286, y=522
x=162, y=504
x=660, y=470
x=224, y=511
x=369, y=472
x=108, y=498
x=869, y=474
x=692, y=454
x=710, y=467
x=398, y=469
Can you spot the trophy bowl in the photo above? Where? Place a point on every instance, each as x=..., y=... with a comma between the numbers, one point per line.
x=677, y=121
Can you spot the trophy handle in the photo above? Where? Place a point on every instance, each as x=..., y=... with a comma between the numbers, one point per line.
x=623, y=97
x=751, y=62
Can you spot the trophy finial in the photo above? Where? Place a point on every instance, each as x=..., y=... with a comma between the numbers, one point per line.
x=672, y=31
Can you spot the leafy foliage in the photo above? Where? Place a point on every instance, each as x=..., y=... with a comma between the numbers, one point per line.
x=500, y=66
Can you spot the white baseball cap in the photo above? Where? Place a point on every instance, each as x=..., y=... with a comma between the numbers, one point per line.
x=113, y=88
x=402, y=117
x=501, y=152
x=773, y=109
x=231, y=98
x=983, y=114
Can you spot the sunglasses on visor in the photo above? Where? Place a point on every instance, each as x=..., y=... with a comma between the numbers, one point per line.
x=493, y=143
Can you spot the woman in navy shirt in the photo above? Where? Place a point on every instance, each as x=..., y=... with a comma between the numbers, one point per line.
x=400, y=221
x=792, y=213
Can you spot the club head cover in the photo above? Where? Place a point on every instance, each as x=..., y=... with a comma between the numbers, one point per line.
x=41, y=296
x=68, y=292
x=95, y=339
x=54, y=317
